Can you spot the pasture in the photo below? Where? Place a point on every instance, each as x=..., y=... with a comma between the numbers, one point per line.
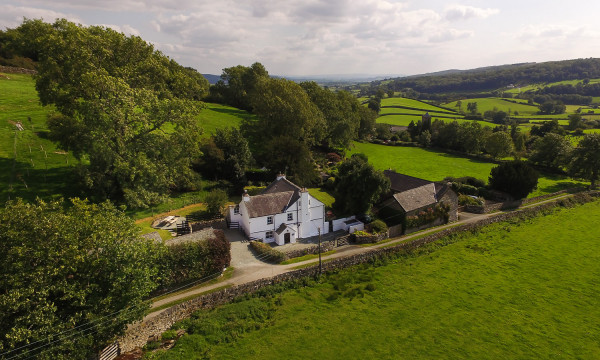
x=514, y=290
x=436, y=165
x=485, y=104
x=406, y=102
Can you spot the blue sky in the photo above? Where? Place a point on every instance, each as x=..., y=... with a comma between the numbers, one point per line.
x=314, y=37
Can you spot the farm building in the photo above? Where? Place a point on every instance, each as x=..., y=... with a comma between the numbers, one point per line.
x=282, y=213
x=409, y=196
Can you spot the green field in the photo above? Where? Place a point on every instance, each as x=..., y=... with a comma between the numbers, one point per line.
x=485, y=104
x=436, y=165
x=514, y=290
x=399, y=101
x=404, y=120
x=216, y=116
x=31, y=164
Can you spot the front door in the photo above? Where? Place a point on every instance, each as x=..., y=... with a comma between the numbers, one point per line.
x=286, y=238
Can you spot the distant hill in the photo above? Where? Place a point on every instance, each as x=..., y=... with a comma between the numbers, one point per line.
x=212, y=79
x=495, y=77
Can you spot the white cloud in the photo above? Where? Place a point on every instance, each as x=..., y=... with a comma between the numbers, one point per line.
x=12, y=16
x=464, y=12
x=125, y=29
x=450, y=34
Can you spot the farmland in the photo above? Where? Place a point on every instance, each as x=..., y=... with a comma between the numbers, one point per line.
x=436, y=165
x=485, y=104
x=513, y=290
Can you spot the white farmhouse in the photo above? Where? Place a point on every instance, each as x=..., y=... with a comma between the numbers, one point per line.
x=282, y=213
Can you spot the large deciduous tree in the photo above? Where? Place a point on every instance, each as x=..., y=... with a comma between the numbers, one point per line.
x=358, y=185
x=585, y=159
x=123, y=106
x=236, y=85
x=499, y=144
x=70, y=279
x=515, y=178
x=552, y=150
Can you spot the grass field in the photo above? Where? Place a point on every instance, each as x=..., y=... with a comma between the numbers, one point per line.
x=526, y=290
x=399, y=101
x=436, y=165
x=323, y=196
x=404, y=120
x=216, y=116
x=485, y=104
x=31, y=164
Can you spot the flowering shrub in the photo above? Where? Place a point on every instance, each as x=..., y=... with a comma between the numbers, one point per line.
x=428, y=215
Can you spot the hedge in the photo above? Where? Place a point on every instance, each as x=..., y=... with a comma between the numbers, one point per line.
x=267, y=253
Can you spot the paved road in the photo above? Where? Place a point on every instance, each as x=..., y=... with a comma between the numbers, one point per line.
x=248, y=268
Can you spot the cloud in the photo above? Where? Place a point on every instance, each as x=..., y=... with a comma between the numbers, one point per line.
x=450, y=34
x=12, y=16
x=558, y=31
x=464, y=12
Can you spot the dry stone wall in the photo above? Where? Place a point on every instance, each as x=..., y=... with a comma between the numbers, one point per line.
x=139, y=333
x=16, y=70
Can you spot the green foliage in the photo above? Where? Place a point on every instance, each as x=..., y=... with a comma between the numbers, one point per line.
x=551, y=150
x=428, y=215
x=378, y=227
x=193, y=260
x=515, y=178
x=237, y=84
x=215, y=202
x=547, y=127
x=359, y=185
x=267, y=253
x=585, y=158
x=254, y=190
x=468, y=200
x=169, y=335
x=125, y=107
x=288, y=155
x=499, y=144
x=68, y=267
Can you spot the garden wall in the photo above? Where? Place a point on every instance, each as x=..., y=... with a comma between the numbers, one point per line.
x=215, y=224
x=488, y=208
x=140, y=333
x=16, y=70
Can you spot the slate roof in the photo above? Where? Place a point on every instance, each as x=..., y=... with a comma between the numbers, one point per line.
x=280, y=185
x=269, y=204
x=401, y=182
x=416, y=198
x=282, y=228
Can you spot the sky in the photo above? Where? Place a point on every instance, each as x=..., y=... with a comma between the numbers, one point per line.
x=325, y=37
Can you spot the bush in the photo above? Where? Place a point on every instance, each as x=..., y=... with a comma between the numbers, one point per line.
x=378, y=227
x=468, y=200
x=515, y=178
x=464, y=189
x=267, y=253
x=215, y=201
x=254, y=190
x=169, y=335
x=426, y=216
x=360, y=233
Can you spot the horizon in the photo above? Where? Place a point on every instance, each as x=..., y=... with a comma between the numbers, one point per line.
x=319, y=38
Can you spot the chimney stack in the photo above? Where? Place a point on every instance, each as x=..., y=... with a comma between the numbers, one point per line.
x=280, y=176
x=246, y=196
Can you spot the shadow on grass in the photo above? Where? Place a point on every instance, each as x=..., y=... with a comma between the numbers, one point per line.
x=28, y=184
x=233, y=112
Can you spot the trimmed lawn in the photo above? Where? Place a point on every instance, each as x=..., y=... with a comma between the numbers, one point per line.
x=515, y=290
x=323, y=196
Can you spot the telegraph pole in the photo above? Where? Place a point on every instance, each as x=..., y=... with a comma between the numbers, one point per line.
x=320, y=264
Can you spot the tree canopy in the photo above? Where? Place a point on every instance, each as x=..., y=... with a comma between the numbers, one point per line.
x=358, y=185
x=585, y=158
x=515, y=178
x=69, y=270
x=123, y=106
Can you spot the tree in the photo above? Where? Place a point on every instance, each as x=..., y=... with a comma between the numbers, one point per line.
x=236, y=155
x=215, y=202
x=472, y=108
x=547, y=127
x=236, y=85
x=292, y=157
x=515, y=178
x=499, y=144
x=585, y=159
x=552, y=150
x=368, y=118
x=126, y=107
x=72, y=278
x=575, y=122
x=358, y=185
x=375, y=105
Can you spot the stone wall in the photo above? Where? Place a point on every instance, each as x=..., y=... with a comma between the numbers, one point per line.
x=16, y=70
x=370, y=239
x=488, y=208
x=140, y=333
x=325, y=246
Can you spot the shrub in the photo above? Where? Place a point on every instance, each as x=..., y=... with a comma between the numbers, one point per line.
x=267, y=253
x=464, y=189
x=515, y=178
x=169, y=335
x=254, y=190
x=468, y=200
x=215, y=201
x=360, y=233
x=426, y=216
x=378, y=227
x=333, y=157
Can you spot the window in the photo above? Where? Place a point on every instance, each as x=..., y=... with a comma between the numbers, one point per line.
x=269, y=235
x=269, y=220
x=290, y=216
x=236, y=209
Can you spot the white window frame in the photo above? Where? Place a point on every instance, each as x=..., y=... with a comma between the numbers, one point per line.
x=290, y=216
x=269, y=220
x=236, y=209
x=269, y=235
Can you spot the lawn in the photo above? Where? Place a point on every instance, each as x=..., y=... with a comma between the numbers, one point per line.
x=323, y=196
x=404, y=120
x=216, y=116
x=436, y=165
x=31, y=164
x=485, y=104
x=526, y=290
x=398, y=101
